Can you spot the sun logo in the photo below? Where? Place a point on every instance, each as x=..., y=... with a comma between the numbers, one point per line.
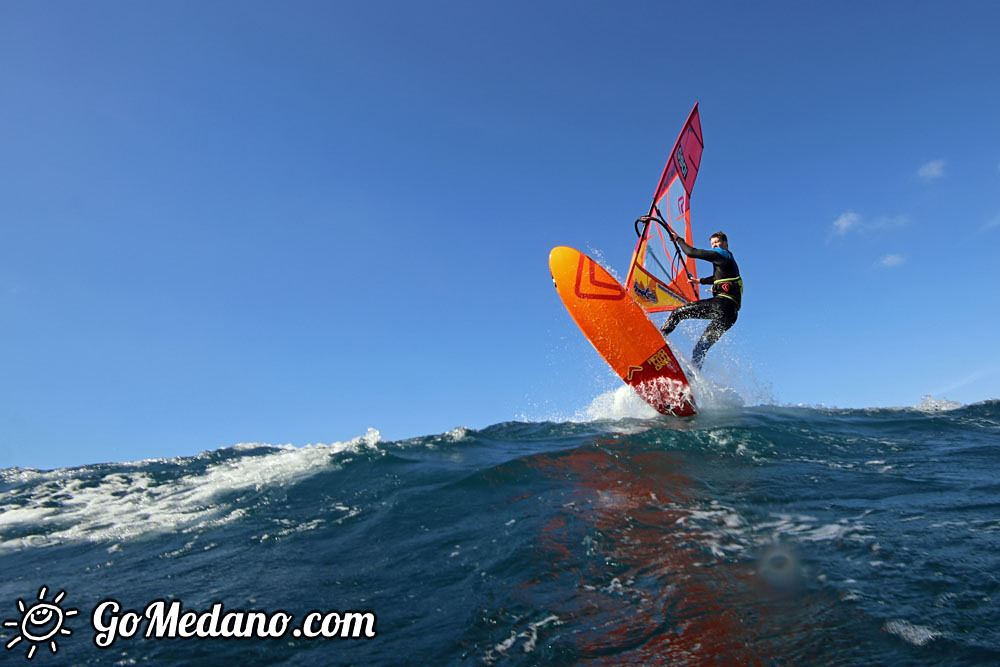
x=40, y=623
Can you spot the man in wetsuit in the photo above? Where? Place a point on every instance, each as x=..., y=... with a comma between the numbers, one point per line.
x=727, y=295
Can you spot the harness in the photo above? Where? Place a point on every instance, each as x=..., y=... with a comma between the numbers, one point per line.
x=729, y=288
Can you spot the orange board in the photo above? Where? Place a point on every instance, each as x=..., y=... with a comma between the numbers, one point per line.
x=620, y=331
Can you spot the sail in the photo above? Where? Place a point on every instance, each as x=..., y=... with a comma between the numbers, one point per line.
x=660, y=277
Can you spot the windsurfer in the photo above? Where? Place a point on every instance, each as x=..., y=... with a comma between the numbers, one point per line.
x=727, y=295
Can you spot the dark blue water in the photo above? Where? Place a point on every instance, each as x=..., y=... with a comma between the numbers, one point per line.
x=758, y=534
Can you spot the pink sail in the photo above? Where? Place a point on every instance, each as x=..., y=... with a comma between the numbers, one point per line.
x=660, y=277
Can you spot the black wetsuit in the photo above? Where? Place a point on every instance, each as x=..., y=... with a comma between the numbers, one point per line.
x=724, y=306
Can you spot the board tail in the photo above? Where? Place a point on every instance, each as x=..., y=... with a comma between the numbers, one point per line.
x=660, y=277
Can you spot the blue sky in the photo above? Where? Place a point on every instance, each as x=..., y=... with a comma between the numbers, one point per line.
x=289, y=222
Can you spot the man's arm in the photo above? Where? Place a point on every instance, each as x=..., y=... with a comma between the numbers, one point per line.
x=707, y=255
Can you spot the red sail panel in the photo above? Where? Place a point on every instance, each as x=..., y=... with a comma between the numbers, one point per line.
x=684, y=160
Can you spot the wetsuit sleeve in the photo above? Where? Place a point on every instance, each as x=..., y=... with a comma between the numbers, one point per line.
x=707, y=255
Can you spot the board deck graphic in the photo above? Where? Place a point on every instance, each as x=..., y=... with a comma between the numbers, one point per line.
x=620, y=331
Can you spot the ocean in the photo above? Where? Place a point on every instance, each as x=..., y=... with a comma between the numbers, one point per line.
x=748, y=534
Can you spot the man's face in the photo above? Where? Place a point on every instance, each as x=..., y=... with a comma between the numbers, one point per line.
x=718, y=243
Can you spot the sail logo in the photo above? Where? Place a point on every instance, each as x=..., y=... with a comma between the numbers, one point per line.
x=646, y=292
x=681, y=162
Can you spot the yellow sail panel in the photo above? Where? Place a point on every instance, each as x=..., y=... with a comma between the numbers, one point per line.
x=650, y=290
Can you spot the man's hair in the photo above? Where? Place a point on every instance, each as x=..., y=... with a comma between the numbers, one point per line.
x=721, y=236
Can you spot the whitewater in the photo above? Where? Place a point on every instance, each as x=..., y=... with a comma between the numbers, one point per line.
x=748, y=534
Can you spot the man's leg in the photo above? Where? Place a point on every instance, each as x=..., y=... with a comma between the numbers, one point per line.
x=700, y=310
x=719, y=325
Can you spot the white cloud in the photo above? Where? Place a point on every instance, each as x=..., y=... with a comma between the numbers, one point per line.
x=845, y=223
x=889, y=222
x=991, y=224
x=852, y=222
x=932, y=170
x=889, y=261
